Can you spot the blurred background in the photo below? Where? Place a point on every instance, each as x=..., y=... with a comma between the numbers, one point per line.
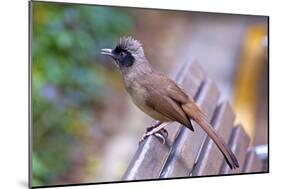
x=85, y=127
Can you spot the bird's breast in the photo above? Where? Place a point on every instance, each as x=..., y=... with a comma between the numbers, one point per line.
x=140, y=95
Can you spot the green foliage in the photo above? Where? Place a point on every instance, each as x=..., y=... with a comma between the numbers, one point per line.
x=68, y=79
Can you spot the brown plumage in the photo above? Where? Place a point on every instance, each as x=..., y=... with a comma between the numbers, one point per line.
x=157, y=95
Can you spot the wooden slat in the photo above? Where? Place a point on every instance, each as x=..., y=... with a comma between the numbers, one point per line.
x=252, y=163
x=210, y=158
x=152, y=154
x=239, y=143
x=188, y=144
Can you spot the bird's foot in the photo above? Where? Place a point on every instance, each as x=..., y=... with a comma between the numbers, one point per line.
x=157, y=130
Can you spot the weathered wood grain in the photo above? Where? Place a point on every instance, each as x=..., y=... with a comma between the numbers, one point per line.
x=152, y=154
x=187, y=145
x=252, y=163
x=210, y=158
x=239, y=143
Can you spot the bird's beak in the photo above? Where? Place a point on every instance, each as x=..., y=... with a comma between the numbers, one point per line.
x=107, y=52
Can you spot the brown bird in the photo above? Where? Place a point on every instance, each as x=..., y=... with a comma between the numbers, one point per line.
x=158, y=96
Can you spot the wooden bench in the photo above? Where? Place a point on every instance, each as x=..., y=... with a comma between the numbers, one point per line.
x=187, y=153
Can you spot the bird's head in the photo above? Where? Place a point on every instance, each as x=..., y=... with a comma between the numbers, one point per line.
x=126, y=53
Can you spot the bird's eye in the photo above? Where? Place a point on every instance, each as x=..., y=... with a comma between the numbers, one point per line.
x=122, y=54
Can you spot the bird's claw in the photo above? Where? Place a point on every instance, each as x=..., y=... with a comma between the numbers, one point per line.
x=161, y=134
x=161, y=137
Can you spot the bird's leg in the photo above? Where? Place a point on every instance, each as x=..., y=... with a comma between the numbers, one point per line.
x=161, y=134
x=158, y=130
x=153, y=125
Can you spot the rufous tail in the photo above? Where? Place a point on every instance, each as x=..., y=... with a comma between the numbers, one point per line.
x=194, y=113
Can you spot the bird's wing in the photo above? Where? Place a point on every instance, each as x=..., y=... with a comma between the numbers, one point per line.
x=167, y=100
x=176, y=103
